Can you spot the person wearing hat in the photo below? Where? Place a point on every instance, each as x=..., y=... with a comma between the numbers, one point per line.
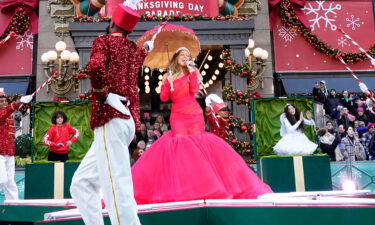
x=113, y=72
x=218, y=123
x=361, y=116
x=7, y=148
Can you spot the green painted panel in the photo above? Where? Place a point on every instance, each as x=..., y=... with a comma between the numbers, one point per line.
x=69, y=169
x=39, y=180
x=317, y=173
x=290, y=216
x=278, y=173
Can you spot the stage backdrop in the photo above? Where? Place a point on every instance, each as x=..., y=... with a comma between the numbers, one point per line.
x=78, y=116
x=266, y=117
x=293, y=53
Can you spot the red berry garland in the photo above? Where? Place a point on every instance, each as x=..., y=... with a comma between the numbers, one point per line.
x=242, y=70
x=239, y=97
x=182, y=17
x=290, y=19
x=19, y=24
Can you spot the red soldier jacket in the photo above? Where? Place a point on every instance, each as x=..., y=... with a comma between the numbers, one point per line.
x=7, y=146
x=60, y=134
x=220, y=130
x=113, y=68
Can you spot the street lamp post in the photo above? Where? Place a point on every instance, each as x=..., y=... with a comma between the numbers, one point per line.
x=259, y=56
x=63, y=81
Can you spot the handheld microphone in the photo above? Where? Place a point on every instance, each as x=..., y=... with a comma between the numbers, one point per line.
x=190, y=63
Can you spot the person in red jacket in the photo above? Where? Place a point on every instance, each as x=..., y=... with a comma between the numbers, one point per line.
x=7, y=147
x=217, y=117
x=113, y=71
x=58, y=138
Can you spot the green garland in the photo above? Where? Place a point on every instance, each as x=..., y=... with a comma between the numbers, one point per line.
x=290, y=19
x=244, y=148
x=237, y=122
x=182, y=17
x=242, y=70
x=19, y=23
x=239, y=97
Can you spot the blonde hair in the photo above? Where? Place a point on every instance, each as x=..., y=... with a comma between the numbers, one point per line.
x=174, y=68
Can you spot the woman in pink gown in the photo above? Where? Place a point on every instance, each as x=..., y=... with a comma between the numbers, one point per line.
x=188, y=163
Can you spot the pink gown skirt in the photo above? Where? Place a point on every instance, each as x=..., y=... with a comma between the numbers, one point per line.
x=187, y=165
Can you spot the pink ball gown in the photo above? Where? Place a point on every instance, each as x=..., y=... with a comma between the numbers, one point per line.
x=188, y=163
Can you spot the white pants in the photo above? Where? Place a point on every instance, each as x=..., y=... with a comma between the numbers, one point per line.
x=106, y=166
x=7, y=182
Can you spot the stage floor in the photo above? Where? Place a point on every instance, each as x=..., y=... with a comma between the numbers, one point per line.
x=318, y=210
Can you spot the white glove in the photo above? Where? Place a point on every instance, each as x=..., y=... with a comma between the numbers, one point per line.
x=373, y=62
x=212, y=98
x=208, y=101
x=215, y=98
x=131, y=3
x=149, y=45
x=114, y=100
x=26, y=99
x=363, y=87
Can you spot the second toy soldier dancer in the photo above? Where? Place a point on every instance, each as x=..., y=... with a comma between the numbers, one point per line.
x=113, y=71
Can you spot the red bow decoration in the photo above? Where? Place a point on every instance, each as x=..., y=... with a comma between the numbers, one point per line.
x=8, y=9
x=274, y=6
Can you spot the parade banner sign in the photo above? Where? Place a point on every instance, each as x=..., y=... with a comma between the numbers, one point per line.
x=167, y=8
x=293, y=53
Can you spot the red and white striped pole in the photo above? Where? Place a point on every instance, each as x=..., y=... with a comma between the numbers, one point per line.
x=45, y=83
x=11, y=34
x=348, y=68
x=357, y=45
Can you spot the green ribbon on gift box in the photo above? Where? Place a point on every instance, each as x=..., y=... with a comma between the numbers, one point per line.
x=49, y=180
x=296, y=173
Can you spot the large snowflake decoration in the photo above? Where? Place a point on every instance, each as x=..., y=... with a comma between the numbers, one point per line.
x=26, y=40
x=287, y=33
x=353, y=22
x=323, y=13
x=342, y=41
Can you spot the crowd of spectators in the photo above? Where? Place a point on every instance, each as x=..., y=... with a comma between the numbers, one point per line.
x=345, y=122
x=151, y=129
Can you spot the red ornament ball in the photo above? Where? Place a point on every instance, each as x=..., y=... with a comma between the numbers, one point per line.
x=240, y=93
x=234, y=141
x=82, y=96
x=243, y=128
